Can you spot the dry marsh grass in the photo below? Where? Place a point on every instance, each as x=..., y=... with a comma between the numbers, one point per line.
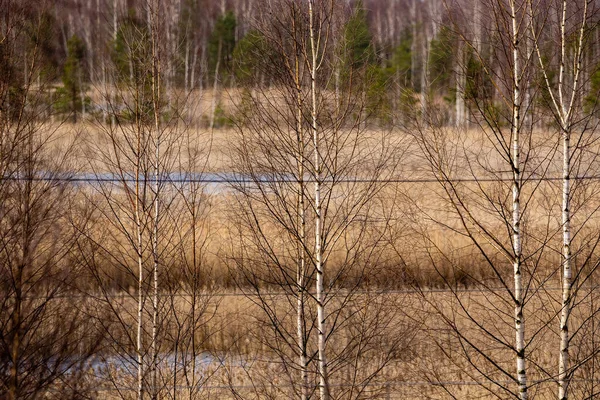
x=415, y=241
x=414, y=237
x=419, y=355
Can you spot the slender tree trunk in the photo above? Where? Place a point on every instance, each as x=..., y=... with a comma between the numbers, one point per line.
x=527, y=115
x=81, y=95
x=300, y=282
x=301, y=273
x=413, y=45
x=460, y=85
x=14, y=392
x=566, y=112
x=434, y=16
x=105, y=101
x=186, y=67
x=566, y=222
x=89, y=42
x=320, y=295
x=155, y=271
x=592, y=312
x=390, y=34
x=15, y=343
x=477, y=23
x=337, y=88
x=157, y=138
x=563, y=364
x=113, y=93
x=115, y=19
x=193, y=70
x=425, y=79
x=16, y=319
x=564, y=109
x=195, y=288
x=138, y=224
x=516, y=221
x=201, y=82
x=213, y=108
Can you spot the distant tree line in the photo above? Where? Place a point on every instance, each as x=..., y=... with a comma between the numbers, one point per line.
x=415, y=58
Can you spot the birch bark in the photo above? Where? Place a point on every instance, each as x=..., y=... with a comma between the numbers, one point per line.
x=301, y=273
x=140, y=260
x=320, y=295
x=563, y=105
x=567, y=111
x=155, y=78
x=565, y=311
x=214, y=102
x=516, y=208
x=460, y=85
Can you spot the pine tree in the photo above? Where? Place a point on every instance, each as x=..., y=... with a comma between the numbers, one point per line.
x=221, y=45
x=73, y=92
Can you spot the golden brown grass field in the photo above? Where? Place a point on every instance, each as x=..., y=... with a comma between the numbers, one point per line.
x=420, y=284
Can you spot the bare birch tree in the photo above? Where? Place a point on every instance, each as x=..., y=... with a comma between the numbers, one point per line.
x=517, y=74
x=315, y=62
x=307, y=188
x=512, y=151
x=130, y=154
x=566, y=100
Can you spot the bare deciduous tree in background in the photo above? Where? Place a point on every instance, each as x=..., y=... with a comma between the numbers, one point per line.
x=43, y=345
x=477, y=209
x=294, y=135
x=565, y=96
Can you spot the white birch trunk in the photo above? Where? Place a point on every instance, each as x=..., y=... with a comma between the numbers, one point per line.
x=195, y=285
x=477, y=22
x=413, y=45
x=564, y=107
x=300, y=282
x=320, y=295
x=516, y=220
x=460, y=86
x=563, y=361
x=186, y=68
x=213, y=108
x=193, y=70
x=115, y=19
x=391, y=31
x=140, y=357
x=304, y=391
x=435, y=16
x=201, y=72
x=154, y=12
x=301, y=273
x=155, y=271
x=563, y=364
x=90, y=46
x=82, y=96
x=425, y=79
